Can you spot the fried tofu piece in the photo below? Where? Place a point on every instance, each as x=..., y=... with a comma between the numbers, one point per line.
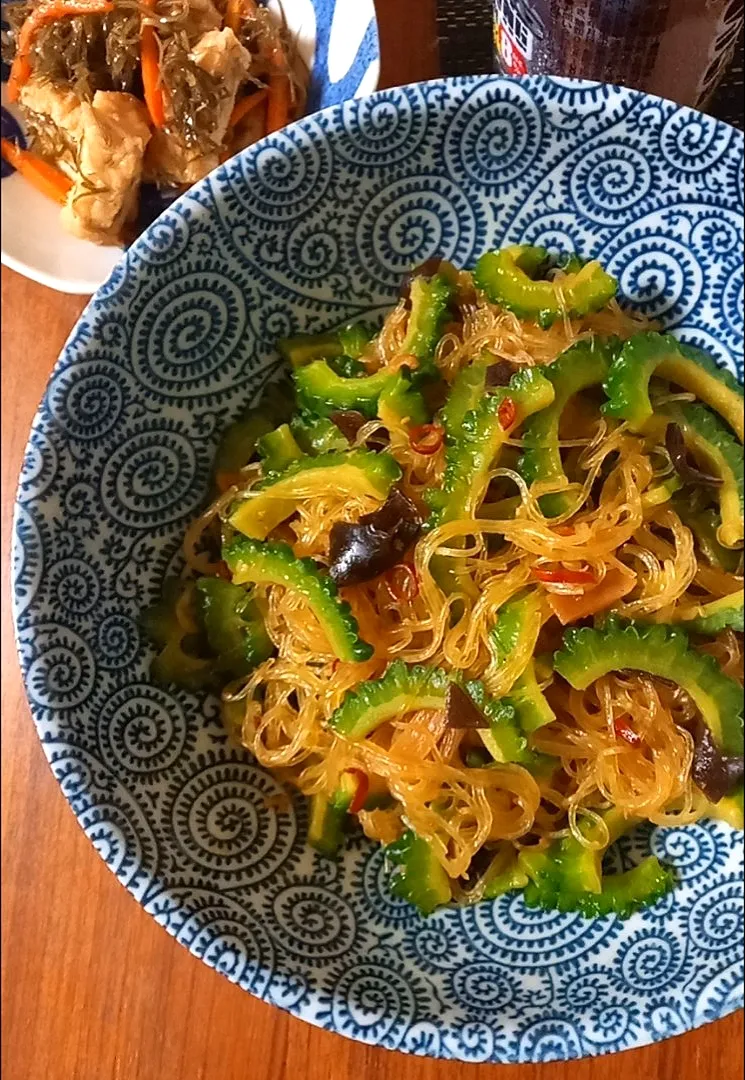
x=170, y=163
x=222, y=56
x=105, y=142
x=57, y=106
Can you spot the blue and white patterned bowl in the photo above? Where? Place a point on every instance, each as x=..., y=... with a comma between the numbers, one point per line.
x=338, y=40
x=314, y=226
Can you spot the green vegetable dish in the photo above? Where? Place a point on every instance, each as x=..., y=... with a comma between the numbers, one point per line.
x=471, y=581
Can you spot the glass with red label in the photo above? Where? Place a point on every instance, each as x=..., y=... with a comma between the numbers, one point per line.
x=677, y=49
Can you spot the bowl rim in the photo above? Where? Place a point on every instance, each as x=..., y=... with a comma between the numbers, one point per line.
x=202, y=189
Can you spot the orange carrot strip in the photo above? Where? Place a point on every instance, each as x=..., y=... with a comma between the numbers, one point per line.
x=280, y=90
x=277, y=58
x=246, y=105
x=47, y=12
x=46, y=178
x=615, y=585
x=278, y=105
x=152, y=90
x=150, y=65
x=237, y=11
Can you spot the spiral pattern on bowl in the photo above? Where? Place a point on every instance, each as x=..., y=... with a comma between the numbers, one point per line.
x=474, y=1041
x=314, y=922
x=482, y=987
x=188, y=338
x=149, y=480
x=374, y=1000
x=409, y=222
x=60, y=669
x=551, y=1040
x=372, y=877
x=39, y=469
x=87, y=401
x=613, y=1026
x=689, y=145
x=76, y=585
x=143, y=729
x=436, y=946
x=313, y=252
x=165, y=241
x=693, y=850
x=494, y=137
x=117, y=641
x=609, y=184
x=715, y=921
x=286, y=177
x=226, y=827
x=731, y=297
x=531, y=938
x=379, y=133
x=651, y=960
x=658, y=276
x=220, y=931
x=27, y=559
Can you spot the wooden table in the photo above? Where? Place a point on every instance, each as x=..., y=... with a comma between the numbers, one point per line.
x=92, y=988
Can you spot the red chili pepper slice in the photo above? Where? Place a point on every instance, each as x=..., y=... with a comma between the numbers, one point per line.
x=624, y=730
x=427, y=439
x=564, y=530
x=402, y=582
x=363, y=788
x=507, y=413
x=563, y=576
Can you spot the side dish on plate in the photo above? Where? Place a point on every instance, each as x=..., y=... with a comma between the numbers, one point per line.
x=127, y=103
x=475, y=580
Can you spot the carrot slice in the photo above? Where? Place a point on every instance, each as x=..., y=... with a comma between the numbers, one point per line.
x=150, y=65
x=46, y=178
x=246, y=105
x=278, y=105
x=152, y=90
x=615, y=585
x=237, y=11
x=47, y=12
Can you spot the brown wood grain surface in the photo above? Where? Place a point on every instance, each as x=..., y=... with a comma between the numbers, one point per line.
x=92, y=988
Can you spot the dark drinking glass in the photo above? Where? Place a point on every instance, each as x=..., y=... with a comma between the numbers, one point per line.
x=678, y=49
